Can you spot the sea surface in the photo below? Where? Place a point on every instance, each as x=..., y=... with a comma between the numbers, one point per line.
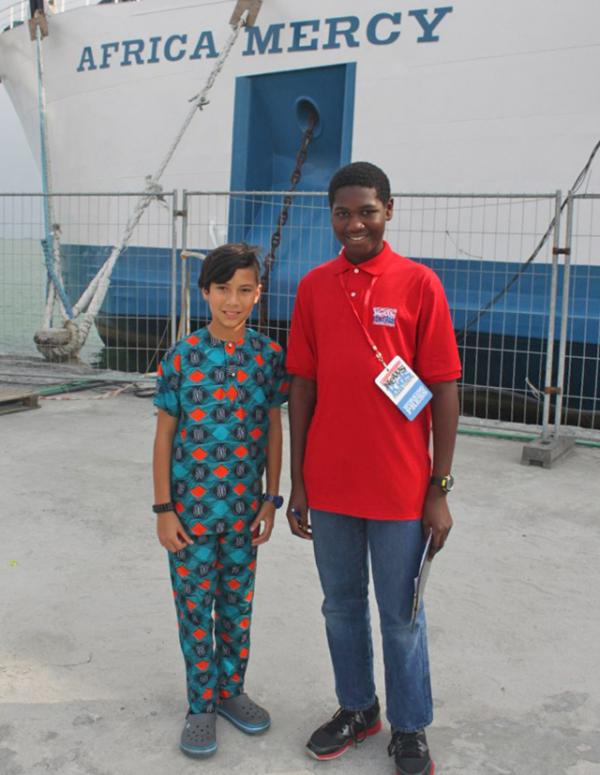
x=23, y=299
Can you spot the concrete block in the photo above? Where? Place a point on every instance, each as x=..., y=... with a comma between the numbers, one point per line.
x=546, y=452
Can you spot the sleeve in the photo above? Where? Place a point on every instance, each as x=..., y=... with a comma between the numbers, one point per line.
x=437, y=358
x=302, y=351
x=278, y=379
x=168, y=376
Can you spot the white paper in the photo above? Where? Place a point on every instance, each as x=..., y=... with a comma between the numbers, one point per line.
x=420, y=580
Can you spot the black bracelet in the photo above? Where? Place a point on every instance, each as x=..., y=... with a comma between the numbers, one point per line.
x=160, y=508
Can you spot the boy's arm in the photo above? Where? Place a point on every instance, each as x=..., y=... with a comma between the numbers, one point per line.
x=168, y=527
x=444, y=421
x=302, y=400
x=274, y=451
x=266, y=513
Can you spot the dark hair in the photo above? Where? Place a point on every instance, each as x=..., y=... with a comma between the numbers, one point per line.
x=222, y=263
x=361, y=173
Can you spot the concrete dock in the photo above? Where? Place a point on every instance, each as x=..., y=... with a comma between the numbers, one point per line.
x=91, y=678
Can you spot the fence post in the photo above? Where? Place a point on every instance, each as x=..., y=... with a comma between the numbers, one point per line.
x=564, y=313
x=174, y=215
x=551, y=320
x=184, y=315
x=546, y=450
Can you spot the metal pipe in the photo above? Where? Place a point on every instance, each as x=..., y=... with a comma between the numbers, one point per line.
x=182, y=328
x=395, y=194
x=270, y=192
x=564, y=313
x=551, y=320
x=516, y=436
x=174, y=214
x=185, y=290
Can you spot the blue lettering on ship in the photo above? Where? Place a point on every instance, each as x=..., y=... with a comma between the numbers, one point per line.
x=340, y=32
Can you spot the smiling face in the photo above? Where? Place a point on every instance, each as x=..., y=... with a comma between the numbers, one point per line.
x=231, y=303
x=358, y=218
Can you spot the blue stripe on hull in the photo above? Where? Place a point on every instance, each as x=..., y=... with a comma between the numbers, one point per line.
x=141, y=286
x=140, y=283
x=504, y=348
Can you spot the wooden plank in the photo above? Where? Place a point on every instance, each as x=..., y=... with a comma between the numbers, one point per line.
x=15, y=400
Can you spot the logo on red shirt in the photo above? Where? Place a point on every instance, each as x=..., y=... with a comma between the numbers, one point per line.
x=384, y=316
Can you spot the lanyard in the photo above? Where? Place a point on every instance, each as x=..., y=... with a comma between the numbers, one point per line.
x=368, y=336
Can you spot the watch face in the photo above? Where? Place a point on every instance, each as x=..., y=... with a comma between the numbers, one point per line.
x=448, y=483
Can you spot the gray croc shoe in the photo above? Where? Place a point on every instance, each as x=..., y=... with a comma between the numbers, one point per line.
x=198, y=737
x=245, y=714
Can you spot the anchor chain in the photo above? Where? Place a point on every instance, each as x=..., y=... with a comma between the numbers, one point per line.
x=270, y=258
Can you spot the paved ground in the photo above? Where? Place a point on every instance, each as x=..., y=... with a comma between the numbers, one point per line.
x=91, y=681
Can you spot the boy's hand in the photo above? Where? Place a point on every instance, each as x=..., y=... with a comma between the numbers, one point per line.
x=297, y=513
x=170, y=532
x=266, y=517
x=437, y=518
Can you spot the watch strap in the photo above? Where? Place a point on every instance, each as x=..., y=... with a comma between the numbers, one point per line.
x=276, y=500
x=445, y=483
x=161, y=508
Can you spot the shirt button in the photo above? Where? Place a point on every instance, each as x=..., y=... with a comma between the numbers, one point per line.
x=356, y=271
x=353, y=293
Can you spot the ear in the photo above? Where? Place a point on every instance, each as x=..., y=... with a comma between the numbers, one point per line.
x=389, y=210
x=204, y=294
x=258, y=293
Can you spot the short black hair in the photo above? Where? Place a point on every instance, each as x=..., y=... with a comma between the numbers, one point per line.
x=361, y=173
x=222, y=263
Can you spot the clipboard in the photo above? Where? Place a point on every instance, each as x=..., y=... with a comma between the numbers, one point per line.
x=420, y=580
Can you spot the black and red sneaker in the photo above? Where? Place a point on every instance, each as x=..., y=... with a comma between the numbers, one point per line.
x=345, y=728
x=411, y=753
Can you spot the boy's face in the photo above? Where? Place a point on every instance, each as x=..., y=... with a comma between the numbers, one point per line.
x=231, y=303
x=358, y=218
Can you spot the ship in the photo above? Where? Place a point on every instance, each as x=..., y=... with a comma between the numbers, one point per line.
x=461, y=97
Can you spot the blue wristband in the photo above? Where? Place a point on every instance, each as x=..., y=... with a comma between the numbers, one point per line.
x=276, y=500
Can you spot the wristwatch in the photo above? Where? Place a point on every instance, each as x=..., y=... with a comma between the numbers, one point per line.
x=276, y=500
x=445, y=483
x=161, y=508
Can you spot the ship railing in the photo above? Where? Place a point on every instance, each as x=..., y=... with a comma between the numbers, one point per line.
x=14, y=14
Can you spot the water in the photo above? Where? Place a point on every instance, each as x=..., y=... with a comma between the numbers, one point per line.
x=22, y=301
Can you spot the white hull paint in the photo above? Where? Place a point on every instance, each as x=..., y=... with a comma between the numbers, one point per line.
x=506, y=100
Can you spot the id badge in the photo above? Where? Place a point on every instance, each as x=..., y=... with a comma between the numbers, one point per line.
x=402, y=386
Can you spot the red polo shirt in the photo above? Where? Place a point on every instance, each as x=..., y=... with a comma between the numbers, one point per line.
x=363, y=457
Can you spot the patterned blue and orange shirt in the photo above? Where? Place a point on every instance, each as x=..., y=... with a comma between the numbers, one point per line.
x=221, y=393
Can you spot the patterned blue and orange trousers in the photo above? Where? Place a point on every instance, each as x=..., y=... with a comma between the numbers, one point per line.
x=213, y=587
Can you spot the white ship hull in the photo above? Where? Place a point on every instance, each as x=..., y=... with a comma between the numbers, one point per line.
x=479, y=96
x=468, y=96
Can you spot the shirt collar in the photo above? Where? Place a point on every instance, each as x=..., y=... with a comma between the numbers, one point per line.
x=214, y=342
x=374, y=266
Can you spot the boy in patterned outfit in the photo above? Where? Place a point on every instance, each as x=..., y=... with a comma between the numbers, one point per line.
x=218, y=395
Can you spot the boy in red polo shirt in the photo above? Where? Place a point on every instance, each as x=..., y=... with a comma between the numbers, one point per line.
x=363, y=468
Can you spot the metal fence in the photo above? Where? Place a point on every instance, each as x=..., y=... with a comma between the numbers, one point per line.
x=579, y=293
x=128, y=334
x=479, y=246
x=525, y=309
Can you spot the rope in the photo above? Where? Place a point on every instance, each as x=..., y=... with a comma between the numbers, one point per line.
x=50, y=244
x=92, y=298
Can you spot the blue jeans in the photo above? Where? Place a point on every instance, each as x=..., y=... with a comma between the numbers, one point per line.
x=342, y=546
